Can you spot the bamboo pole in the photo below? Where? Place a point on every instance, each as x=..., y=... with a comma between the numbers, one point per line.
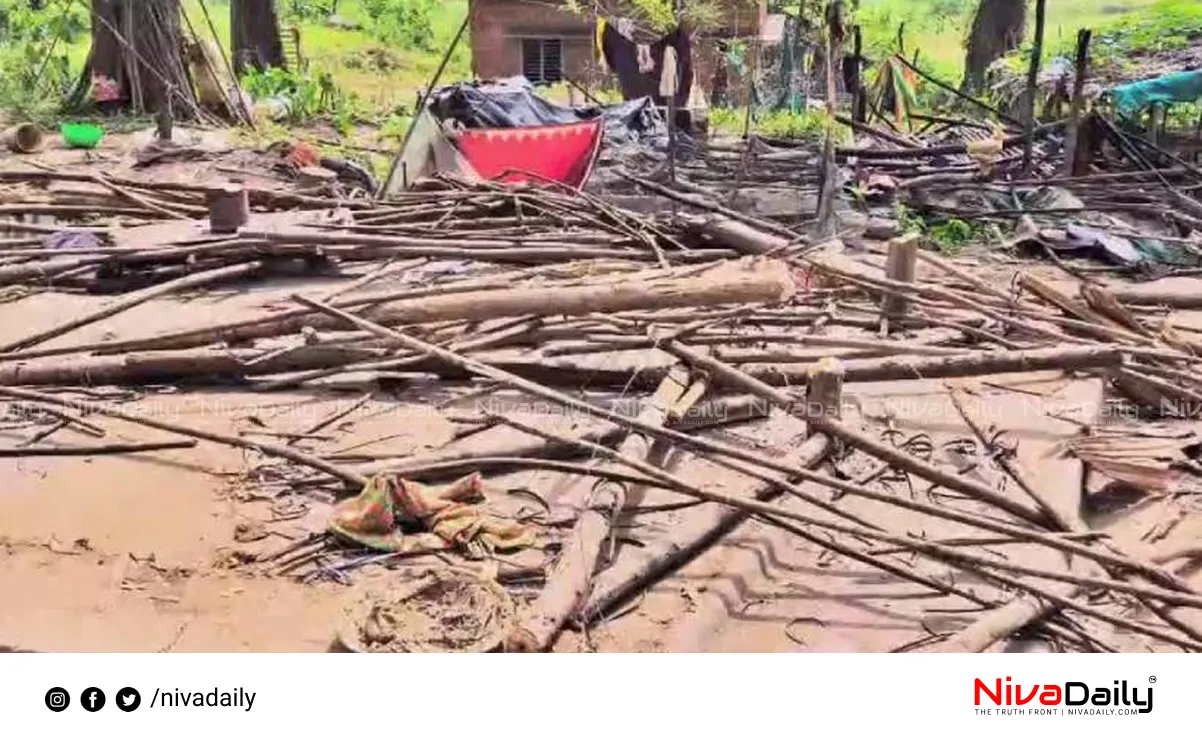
x=1072, y=162
x=1033, y=84
x=569, y=582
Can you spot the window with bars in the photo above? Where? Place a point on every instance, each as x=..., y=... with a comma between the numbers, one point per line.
x=542, y=60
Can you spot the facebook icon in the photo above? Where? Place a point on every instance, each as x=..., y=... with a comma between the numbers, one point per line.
x=92, y=699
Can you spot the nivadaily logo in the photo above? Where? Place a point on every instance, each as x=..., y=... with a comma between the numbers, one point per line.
x=1071, y=698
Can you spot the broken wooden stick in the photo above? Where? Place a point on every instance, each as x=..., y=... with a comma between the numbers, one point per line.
x=134, y=299
x=569, y=582
x=91, y=451
x=748, y=281
x=284, y=452
x=627, y=579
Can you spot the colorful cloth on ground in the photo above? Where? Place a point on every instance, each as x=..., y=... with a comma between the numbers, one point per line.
x=1180, y=87
x=105, y=88
x=448, y=517
x=563, y=153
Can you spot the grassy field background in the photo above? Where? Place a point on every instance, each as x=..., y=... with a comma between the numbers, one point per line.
x=378, y=78
x=934, y=28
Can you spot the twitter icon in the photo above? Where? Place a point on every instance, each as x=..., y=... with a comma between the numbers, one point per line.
x=128, y=699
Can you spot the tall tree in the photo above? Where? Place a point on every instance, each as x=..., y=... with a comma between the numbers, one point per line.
x=997, y=29
x=255, y=32
x=136, y=56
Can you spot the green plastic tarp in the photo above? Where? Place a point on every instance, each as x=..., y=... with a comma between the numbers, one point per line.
x=1180, y=87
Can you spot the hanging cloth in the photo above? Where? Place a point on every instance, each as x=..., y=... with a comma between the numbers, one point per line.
x=598, y=44
x=624, y=58
x=669, y=75
x=646, y=61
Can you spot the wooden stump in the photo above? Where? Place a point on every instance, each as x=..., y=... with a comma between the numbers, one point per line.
x=229, y=209
x=824, y=390
x=164, y=122
x=901, y=265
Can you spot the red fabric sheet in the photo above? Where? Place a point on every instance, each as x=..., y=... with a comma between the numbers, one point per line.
x=563, y=153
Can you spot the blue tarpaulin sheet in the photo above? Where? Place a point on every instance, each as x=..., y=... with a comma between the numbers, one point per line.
x=1180, y=87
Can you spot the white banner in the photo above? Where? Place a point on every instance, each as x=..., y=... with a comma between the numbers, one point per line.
x=528, y=698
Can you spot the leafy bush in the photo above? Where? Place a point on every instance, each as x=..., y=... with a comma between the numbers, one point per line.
x=781, y=124
x=303, y=96
x=948, y=235
x=406, y=22
x=308, y=10
x=1166, y=26
x=35, y=73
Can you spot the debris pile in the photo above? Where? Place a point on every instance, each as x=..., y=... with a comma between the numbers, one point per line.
x=578, y=404
x=716, y=326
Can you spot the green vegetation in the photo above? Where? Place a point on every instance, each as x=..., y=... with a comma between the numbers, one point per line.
x=782, y=124
x=35, y=65
x=946, y=235
x=366, y=67
x=934, y=29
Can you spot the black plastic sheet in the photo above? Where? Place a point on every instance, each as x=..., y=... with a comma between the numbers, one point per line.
x=513, y=103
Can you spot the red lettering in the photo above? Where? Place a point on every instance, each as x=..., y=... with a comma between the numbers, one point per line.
x=1018, y=693
x=995, y=695
x=1051, y=696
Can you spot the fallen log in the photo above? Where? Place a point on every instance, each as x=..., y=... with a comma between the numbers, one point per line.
x=739, y=235
x=163, y=367
x=568, y=583
x=1149, y=297
x=748, y=281
x=976, y=363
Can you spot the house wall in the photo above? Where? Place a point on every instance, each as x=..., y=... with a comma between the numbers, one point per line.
x=498, y=27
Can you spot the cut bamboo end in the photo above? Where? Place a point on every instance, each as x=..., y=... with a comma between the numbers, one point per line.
x=774, y=271
x=824, y=390
x=900, y=265
x=22, y=138
x=229, y=209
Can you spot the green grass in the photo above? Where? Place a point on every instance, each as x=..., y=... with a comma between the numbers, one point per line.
x=382, y=80
x=936, y=28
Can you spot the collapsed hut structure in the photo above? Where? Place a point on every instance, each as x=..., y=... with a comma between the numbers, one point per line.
x=552, y=420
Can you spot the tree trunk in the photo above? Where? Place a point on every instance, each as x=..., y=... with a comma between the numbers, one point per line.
x=138, y=45
x=106, y=57
x=997, y=30
x=255, y=35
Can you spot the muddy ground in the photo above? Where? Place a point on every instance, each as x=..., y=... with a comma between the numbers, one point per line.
x=132, y=553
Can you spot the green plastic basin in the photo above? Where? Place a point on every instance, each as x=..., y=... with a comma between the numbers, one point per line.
x=83, y=136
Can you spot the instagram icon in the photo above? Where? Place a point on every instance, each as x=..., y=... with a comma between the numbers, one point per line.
x=57, y=699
